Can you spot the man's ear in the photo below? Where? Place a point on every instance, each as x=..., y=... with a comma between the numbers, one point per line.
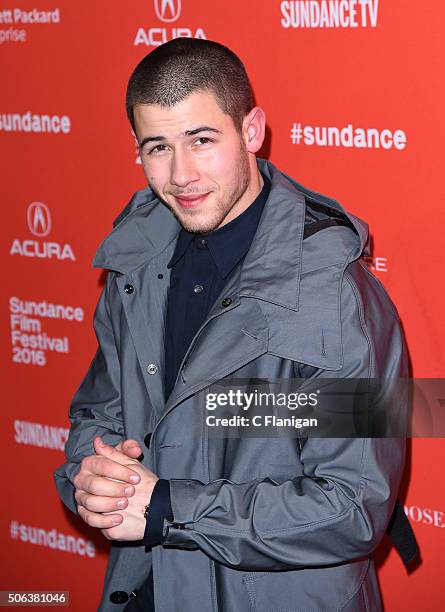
x=254, y=129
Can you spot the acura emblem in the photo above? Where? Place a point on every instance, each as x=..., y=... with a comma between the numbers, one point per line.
x=167, y=10
x=39, y=219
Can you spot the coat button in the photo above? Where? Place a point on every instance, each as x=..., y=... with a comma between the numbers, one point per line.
x=118, y=597
x=226, y=302
x=198, y=288
x=152, y=368
x=147, y=440
x=128, y=289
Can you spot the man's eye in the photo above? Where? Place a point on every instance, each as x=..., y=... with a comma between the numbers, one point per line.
x=156, y=149
x=204, y=139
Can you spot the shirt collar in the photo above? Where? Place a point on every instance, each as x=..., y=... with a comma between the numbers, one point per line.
x=229, y=243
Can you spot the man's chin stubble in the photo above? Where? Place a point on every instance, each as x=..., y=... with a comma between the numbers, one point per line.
x=186, y=220
x=190, y=225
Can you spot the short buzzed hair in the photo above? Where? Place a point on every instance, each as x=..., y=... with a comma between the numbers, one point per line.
x=182, y=66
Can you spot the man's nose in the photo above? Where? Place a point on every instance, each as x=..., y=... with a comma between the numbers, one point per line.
x=183, y=170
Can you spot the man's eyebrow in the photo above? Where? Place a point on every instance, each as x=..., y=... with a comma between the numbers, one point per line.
x=202, y=128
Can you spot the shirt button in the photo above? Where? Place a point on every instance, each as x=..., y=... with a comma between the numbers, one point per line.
x=226, y=302
x=198, y=288
x=152, y=368
x=202, y=241
x=128, y=288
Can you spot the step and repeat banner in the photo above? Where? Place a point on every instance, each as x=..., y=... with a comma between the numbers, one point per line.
x=353, y=94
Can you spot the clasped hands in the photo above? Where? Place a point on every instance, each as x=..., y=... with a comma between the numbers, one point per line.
x=113, y=488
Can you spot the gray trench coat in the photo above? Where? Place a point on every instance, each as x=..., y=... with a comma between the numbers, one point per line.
x=260, y=524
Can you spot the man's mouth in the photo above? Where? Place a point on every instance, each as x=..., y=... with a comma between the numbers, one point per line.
x=192, y=200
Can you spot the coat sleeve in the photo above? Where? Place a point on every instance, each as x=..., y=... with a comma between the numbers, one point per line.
x=339, y=508
x=96, y=406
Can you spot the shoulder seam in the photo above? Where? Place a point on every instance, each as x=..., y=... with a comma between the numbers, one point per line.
x=381, y=286
x=363, y=325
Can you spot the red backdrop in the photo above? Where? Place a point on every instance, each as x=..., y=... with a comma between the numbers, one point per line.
x=69, y=166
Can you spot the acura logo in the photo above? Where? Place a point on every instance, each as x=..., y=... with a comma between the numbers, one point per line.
x=39, y=219
x=167, y=10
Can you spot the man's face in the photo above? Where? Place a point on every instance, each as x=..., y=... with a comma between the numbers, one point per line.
x=195, y=161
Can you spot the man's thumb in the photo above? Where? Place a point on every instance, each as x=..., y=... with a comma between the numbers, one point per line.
x=131, y=448
x=111, y=452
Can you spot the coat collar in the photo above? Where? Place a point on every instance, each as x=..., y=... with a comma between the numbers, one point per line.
x=273, y=266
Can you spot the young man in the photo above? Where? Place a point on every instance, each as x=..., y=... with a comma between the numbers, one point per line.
x=224, y=267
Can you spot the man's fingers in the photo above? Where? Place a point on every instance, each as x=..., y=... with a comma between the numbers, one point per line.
x=97, y=503
x=96, y=464
x=113, y=453
x=103, y=466
x=98, y=485
x=99, y=520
